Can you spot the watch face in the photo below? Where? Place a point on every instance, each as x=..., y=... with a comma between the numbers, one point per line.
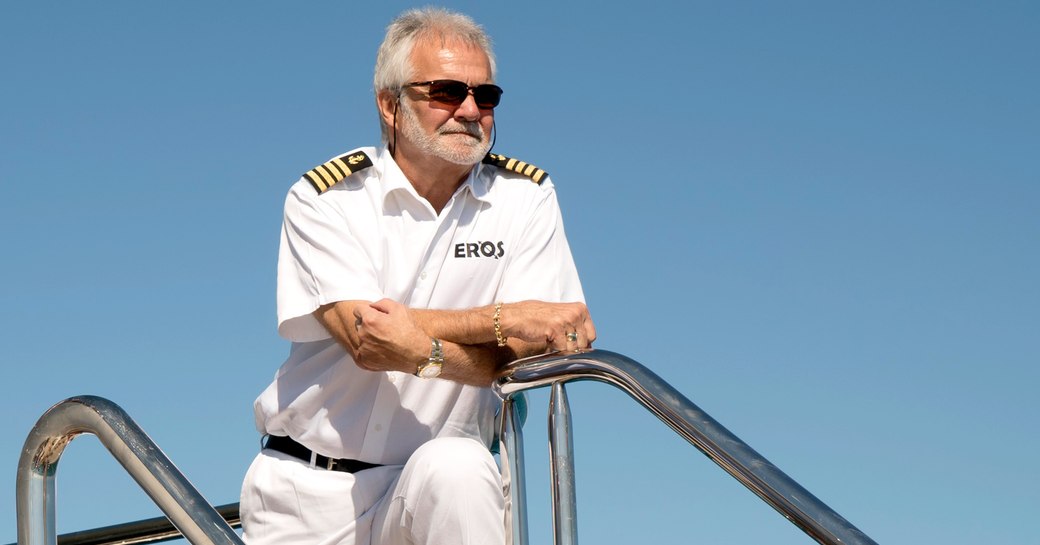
x=430, y=370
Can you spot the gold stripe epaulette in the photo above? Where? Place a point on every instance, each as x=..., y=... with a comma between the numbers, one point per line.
x=515, y=165
x=326, y=175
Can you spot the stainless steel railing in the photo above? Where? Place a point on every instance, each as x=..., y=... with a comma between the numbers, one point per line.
x=191, y=516
x=738, y=459
x=182, y=504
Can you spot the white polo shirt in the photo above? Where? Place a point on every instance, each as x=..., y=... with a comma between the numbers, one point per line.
x=499, y=238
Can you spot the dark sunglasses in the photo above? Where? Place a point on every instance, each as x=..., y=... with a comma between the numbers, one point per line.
x=454, y=92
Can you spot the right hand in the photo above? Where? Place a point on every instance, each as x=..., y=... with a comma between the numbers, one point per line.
x=538, y=321
x=388, y=338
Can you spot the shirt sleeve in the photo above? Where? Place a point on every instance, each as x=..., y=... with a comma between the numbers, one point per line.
x=542, y=267
x=320, y=261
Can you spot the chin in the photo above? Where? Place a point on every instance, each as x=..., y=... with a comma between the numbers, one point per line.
x=464, y=155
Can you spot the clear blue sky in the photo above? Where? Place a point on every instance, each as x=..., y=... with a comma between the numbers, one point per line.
x=819, y=220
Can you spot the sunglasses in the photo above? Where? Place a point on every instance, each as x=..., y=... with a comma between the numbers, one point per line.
x=454, y=93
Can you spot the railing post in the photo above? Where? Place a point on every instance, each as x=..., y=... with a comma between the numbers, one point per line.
x=36, y=518
x=513, y=480
x=561, y=468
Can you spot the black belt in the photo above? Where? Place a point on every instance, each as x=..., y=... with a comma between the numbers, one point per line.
x=287, y=445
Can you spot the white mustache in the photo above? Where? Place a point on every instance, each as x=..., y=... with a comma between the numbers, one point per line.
x=472, y=128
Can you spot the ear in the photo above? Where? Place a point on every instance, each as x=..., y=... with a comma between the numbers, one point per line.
x=386, y=101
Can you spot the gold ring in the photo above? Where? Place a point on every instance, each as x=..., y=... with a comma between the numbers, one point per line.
x=572, y=337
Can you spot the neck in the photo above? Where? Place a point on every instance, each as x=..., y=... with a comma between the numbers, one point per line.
x=433, y=178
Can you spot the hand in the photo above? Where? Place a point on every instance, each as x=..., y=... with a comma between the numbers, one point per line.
x=562, y=326
x=389, y=338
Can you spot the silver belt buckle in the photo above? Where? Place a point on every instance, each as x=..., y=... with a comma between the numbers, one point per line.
x=331, y=463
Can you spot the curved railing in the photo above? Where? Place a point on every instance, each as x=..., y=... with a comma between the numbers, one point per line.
x=738, y=459
x=185, y=507
x=200, y=523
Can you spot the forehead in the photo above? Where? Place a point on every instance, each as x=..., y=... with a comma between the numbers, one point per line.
x=450, y=59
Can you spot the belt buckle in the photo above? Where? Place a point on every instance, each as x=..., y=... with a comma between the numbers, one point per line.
x=330, y=464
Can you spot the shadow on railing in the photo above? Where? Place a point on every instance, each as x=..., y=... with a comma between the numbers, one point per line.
x=188, y=512
x=738, y=459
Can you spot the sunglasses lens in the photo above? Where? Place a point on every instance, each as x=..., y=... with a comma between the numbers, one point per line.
x=487, y=96
x=454, y=93
x=449, y=92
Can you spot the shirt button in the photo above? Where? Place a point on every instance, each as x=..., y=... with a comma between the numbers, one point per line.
x=422, y=275
x=393, y=379
x=379, y=427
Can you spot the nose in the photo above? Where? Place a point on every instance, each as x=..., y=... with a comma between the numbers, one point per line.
x=468, y=110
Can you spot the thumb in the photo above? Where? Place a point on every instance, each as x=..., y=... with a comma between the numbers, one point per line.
x=386, y=306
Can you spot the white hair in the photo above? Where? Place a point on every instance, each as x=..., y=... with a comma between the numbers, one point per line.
x=393, y=62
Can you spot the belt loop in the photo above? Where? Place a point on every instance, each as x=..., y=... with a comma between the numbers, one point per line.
x=314, y=459
x=330, y=463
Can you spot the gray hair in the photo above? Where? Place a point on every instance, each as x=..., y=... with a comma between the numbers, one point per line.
x=393, y=62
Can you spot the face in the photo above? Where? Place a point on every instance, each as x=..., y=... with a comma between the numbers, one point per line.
x=457, y=134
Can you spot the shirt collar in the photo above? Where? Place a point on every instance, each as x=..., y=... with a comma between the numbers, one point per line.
x=478, y=183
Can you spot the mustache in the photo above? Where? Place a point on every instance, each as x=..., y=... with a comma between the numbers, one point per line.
x=472, y=128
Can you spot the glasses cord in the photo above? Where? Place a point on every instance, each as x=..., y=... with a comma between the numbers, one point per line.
x=393, y=144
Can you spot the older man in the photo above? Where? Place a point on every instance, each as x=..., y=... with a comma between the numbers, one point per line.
x=408, y=275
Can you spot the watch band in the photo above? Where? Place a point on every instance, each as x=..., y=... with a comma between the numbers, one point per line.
x=431, y=368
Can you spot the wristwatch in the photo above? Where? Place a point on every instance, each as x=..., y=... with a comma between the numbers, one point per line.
x=431, y=368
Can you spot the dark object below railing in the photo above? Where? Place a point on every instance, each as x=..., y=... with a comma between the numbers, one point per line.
x=153, y=530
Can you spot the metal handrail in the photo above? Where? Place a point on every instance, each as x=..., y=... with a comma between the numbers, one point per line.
x=190, y=516
x=152, y=530
x=182, y=504
x=734, y=456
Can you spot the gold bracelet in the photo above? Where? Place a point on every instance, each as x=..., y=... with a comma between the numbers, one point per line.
x=498, y=325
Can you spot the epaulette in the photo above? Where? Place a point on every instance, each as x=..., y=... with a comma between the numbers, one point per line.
x=326, y=175
x=534, y=173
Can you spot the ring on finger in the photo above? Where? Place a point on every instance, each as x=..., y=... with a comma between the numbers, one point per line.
x=572, y=336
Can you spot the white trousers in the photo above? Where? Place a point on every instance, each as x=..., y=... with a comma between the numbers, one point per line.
x=449, y=493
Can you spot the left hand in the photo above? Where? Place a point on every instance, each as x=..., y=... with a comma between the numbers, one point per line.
x=390, y=339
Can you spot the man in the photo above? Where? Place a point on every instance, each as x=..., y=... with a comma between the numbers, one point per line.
x=408, y=275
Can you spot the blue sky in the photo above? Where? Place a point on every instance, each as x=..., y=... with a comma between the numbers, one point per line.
x=819, y=220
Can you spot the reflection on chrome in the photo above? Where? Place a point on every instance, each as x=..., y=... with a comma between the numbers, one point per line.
x=738, y=459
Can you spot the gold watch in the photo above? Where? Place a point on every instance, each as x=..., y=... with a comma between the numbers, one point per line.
x=431, y=368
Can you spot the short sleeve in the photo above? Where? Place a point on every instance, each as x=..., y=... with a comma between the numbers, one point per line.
x=320, y=261
x=542, y=266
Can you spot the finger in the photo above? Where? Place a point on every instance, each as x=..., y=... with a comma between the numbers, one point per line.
x=590, y=331
x=574, y=340
x=383, y=305
x=557, y=342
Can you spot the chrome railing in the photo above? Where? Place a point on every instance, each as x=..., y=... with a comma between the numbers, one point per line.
x=140, y=532
x=190, y=513
x=738, y=459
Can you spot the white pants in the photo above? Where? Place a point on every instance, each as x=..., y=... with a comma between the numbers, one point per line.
x=449, y=493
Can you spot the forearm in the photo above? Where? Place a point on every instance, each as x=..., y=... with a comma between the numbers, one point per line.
x=480, y=365
x=473, y=326
x=339, y=320
x=387, y=336
x=558, y=326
